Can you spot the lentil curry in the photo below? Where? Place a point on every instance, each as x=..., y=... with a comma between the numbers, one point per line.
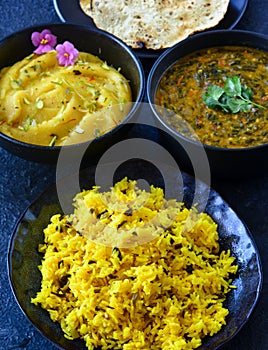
x=182, y=86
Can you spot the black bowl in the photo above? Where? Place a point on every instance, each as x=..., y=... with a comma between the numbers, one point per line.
x=219, y=162
x=102, y=44
x=24, y=259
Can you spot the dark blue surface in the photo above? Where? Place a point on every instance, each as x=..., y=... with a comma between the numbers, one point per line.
x=22, y=181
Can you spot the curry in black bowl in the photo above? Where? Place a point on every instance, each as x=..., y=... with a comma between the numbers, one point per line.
x=211, y=92
x=222, y=92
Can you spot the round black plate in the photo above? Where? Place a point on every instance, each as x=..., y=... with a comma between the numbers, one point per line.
x=70, y=11
x=23, y=257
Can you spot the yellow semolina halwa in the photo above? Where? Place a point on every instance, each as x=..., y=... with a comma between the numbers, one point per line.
x=47, y=104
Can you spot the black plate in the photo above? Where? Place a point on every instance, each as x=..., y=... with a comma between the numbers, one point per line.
x=70, y=11
x=23, y=257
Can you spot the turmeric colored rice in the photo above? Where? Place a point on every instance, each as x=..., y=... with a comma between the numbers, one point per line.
x=164, y=294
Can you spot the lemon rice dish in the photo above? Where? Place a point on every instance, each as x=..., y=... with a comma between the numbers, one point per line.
x=120, y=291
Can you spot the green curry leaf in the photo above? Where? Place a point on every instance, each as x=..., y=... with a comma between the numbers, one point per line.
x=232, y=97
x=212, y=96
x=215, y=91
x=235, y=105
x=246, y=93
x=233, y=86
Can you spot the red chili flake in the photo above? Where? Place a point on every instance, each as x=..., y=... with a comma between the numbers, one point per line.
x=179, y=80
x=214, y=126
x=221, y=62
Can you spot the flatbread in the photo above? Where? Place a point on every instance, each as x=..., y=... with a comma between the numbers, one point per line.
x=154, y=24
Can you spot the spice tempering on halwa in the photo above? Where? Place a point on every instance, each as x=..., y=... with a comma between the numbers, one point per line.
x=182, y=86
x=44, y=103
x=165, y=294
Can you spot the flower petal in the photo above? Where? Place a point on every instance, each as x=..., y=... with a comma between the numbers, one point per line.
x=52, y=39
x=68, y=46
x=66, y=54
x=61, y=60
x=43, y=49
x=44, y=41
x=60, y=49
x=36, y=38
x=45, y=32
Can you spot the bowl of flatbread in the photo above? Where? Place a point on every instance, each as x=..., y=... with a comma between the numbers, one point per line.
x=154, y=24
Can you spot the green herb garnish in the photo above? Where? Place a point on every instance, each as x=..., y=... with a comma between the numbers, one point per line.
x=232, y=97
x=97, y=133
x=39, y=104
x=105, y=66
x=15, y=84
x=26, y=124
x=56, y=82
x=26, y=101
x=53, y=141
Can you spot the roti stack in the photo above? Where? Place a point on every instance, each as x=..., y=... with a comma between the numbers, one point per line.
x=154, y=24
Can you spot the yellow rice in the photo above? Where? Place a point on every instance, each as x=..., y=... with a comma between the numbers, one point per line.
x=167, y=293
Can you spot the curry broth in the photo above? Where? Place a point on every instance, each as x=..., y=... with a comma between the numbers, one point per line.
x=182, y=86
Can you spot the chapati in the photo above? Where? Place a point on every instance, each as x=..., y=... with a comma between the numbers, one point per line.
x=154, y=24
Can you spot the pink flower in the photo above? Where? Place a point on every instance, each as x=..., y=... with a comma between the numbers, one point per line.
x=45, y=41
x=67, y=54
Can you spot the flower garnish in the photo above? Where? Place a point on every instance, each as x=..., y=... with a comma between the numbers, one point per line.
x=44, y=41
x=66, y=54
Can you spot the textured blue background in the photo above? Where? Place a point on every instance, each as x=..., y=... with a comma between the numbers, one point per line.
x=22, y=181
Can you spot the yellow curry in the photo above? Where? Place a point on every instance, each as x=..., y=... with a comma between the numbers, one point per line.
x=44, y=103
x=183, y=86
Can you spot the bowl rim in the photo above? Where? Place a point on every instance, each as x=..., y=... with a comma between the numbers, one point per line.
x=112, y=38
x=164, y=55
